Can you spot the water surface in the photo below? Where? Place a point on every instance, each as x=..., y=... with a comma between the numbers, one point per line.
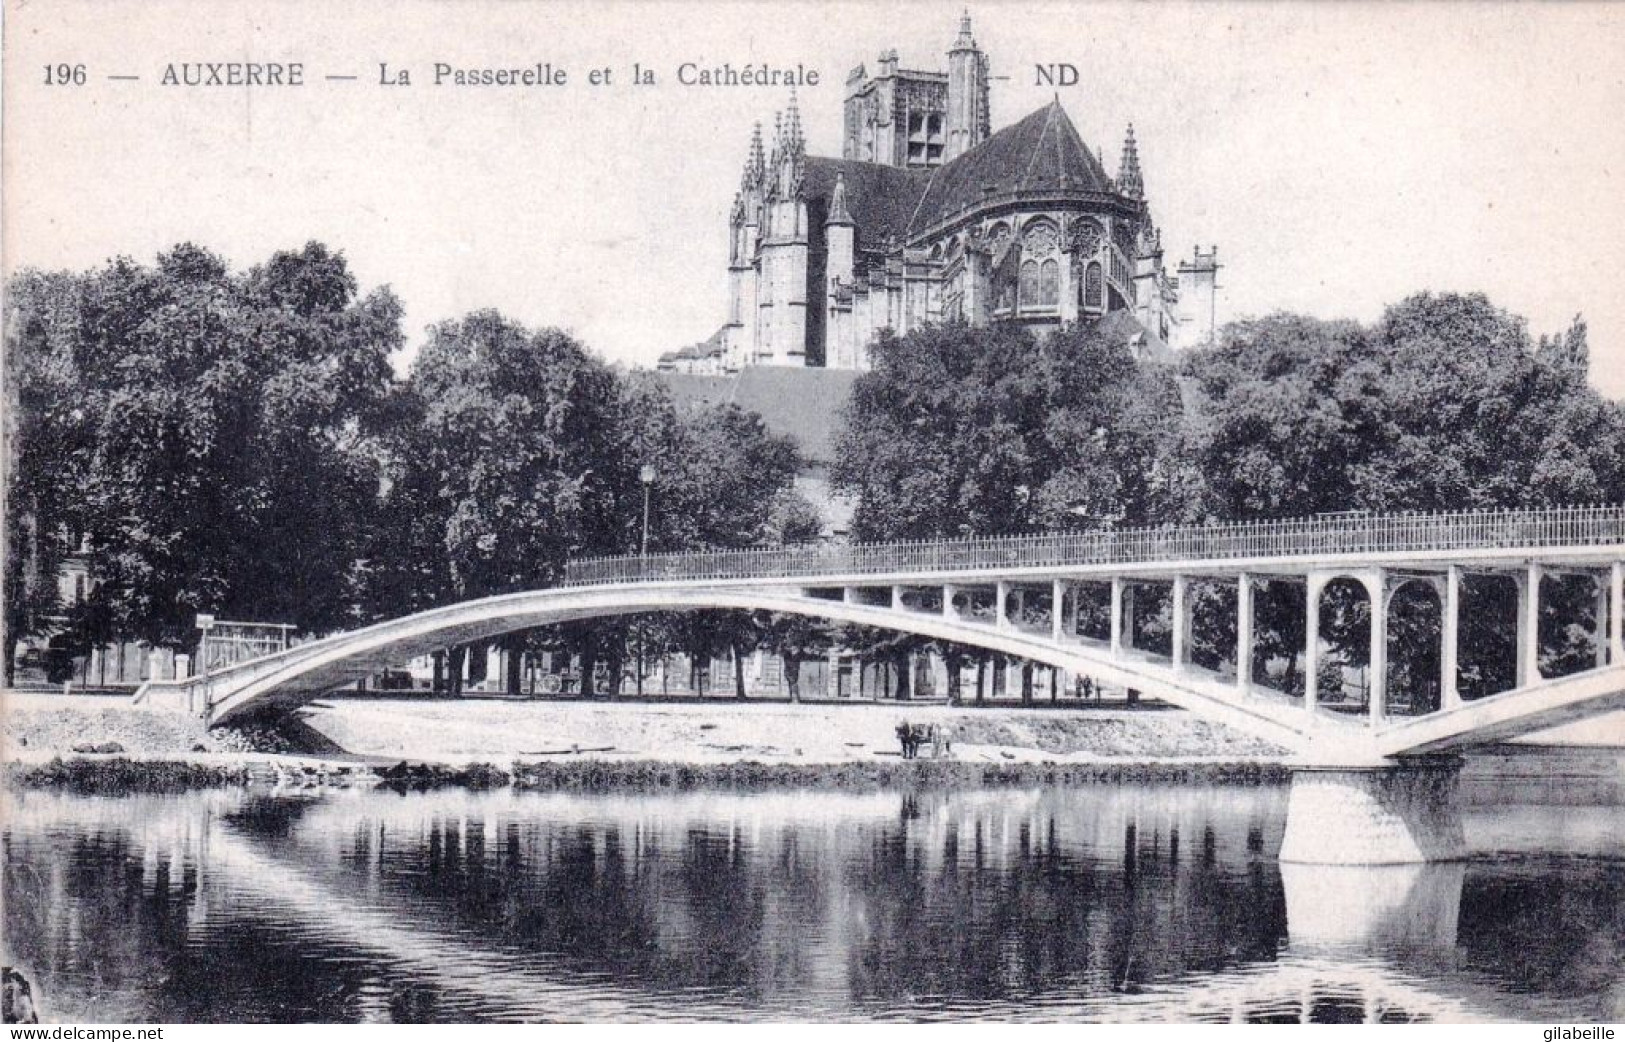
x=1104, y=903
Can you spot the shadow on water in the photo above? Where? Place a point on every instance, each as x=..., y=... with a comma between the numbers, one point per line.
x=1107, y=903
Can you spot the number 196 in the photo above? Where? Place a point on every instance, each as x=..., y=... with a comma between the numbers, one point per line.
x=64, y=75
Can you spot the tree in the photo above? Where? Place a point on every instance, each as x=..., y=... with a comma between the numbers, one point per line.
x=1443, y=405
x=725, y=482
x=505, y=463
x=992, y=431
x=216, y=433
x=512, y=447
x=43, y=429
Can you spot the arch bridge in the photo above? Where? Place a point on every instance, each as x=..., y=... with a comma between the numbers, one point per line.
x=1069, y=601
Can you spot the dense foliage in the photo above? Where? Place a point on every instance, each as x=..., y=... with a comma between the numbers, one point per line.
x=206, y=434
x=237, y=444
x=959, y=430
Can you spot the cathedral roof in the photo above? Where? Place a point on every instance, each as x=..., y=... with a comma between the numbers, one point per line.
x=1038, y=152
x=879, y=198
x=1042, y=151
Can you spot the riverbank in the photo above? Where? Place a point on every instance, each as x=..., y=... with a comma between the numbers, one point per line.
x=91, y=743
x=725, y=731
x=106, y=745
x=117, y=775
x=38, y=727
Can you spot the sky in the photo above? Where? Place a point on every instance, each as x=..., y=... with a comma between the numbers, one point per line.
x=1341, y=156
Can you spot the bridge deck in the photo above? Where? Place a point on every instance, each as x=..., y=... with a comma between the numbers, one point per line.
x=1419, y=537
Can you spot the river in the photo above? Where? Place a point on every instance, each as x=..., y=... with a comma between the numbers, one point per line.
x=1116, y=903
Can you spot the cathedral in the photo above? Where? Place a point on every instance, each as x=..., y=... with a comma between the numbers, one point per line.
x=930, y=216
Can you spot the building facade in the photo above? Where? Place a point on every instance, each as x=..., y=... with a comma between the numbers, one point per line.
x=929, y=216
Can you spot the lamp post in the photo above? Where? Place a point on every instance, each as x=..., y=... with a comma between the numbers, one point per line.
x=646, y=475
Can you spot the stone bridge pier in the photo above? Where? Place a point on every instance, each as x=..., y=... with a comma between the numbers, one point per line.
x=1392, y=814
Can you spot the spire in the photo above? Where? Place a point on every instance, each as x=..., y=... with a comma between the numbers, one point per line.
x=793, y=137
x=789, y=152
x=966, y=41
x=1129, y=180
x=838, y=213
x=756, y=159
x=776, y=158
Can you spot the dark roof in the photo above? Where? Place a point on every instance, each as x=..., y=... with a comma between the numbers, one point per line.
x=1041, y=151
x=880, y=198
x=804, y=403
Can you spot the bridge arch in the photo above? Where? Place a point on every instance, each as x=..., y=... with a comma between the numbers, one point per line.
x=308, y=670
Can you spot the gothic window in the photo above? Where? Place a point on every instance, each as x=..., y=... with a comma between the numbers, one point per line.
x=1030, y=294
x=924, y=139
x=1087, y=236
x=1040, y=239
x=1049, y=283
x=1094, y=295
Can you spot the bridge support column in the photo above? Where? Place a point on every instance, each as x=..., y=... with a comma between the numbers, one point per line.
x=1396, y=814
x=1529, y=626
x=1313, y=586
x=1182, y=622
x=1450, y=639
x=1001, y=614
x=1346, y=910
x=948, y=609
x=1057, y=611
x=1244, y=630
x=1376, y=588
x=1616, y=613
x=1118, y=590
x=896, y=598
x=1600, y=627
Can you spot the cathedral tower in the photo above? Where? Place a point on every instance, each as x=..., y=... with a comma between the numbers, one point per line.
x=781, y=311
x=744, y=236
x=840, y=238
x=968, y=120
x=1198, y=295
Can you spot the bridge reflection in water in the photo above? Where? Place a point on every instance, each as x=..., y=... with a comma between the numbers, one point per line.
x=1112, y=904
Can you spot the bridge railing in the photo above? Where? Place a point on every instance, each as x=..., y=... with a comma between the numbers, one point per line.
x=1333, y=534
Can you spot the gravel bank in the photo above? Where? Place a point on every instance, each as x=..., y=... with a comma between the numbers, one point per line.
x=98, y=744
x=493, y=730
